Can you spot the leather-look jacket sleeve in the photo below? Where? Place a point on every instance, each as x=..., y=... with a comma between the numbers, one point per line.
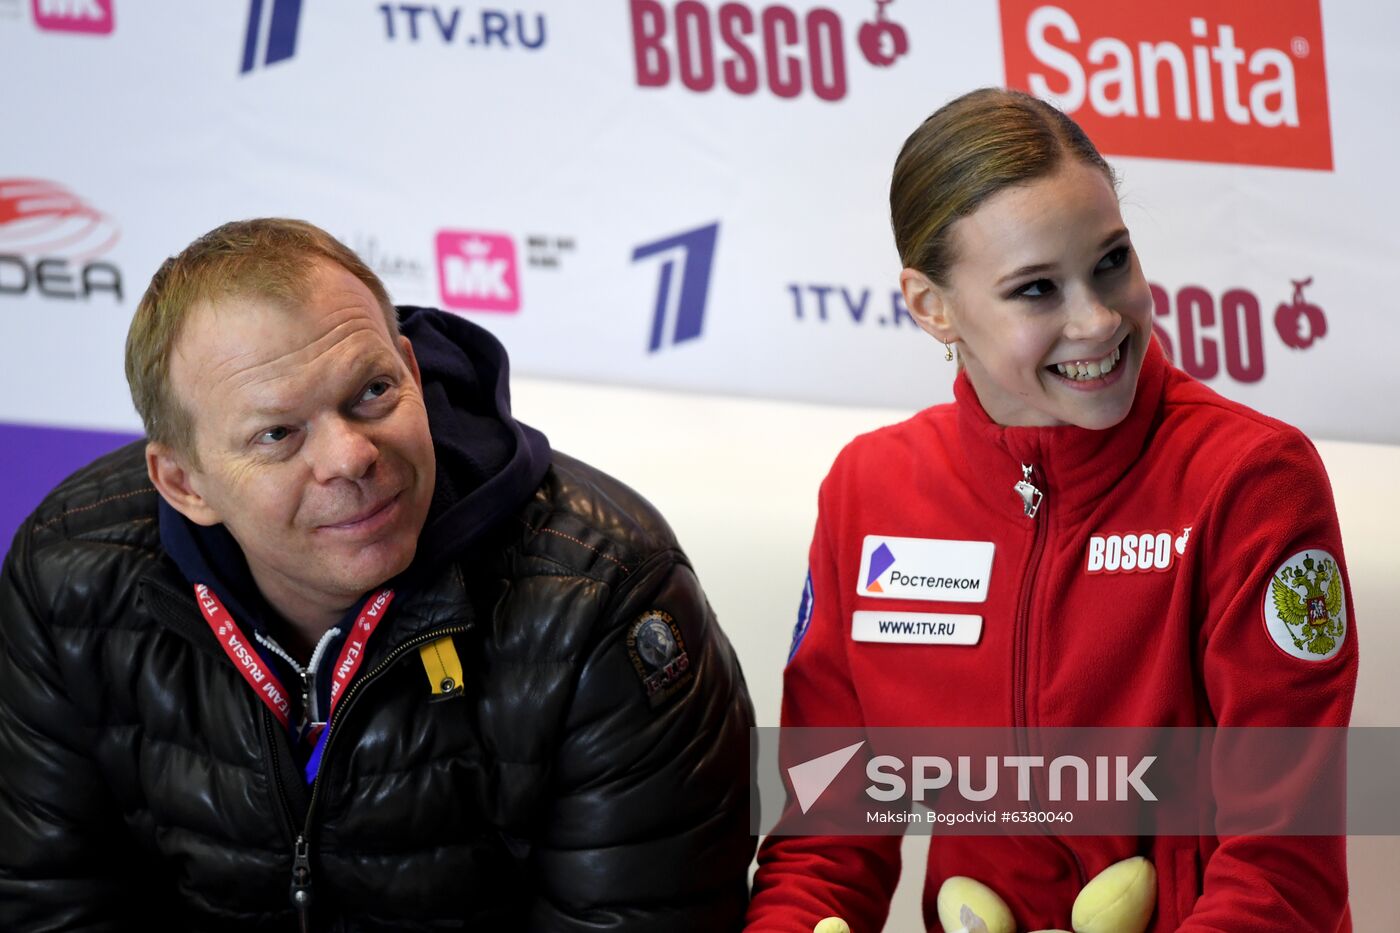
x=64, y=861
x=647, y=825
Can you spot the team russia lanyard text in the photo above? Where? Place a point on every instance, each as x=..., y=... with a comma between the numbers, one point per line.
x=265, y=682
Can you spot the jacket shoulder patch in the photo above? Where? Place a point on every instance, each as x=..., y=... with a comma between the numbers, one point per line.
x=1304, y=606
x=659, y=656
x=804, y=618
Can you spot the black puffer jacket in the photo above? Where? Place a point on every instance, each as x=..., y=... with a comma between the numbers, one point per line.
x=144, y=787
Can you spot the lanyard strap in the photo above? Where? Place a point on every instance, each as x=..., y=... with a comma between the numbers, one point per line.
x=352, y=653
x=263, y=679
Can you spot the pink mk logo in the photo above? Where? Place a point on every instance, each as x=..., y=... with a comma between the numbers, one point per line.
x=90, y=16
x=477, y=271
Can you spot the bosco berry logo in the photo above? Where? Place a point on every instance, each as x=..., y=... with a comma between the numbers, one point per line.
x=1232, y=81
x=1298, y=322
x=1203, y=335
x=746, y=48
x=477, y=271
x=90, y=16
x=1143, y=552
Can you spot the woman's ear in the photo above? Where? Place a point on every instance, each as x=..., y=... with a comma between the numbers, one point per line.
x=929, y=305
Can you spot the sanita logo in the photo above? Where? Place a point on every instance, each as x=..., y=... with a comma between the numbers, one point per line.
x=1241, y=82
x=688, y=257
x=745, y=48
x=94, y=17
x=1203, y=334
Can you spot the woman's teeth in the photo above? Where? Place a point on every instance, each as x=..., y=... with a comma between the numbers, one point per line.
x=1094, y=370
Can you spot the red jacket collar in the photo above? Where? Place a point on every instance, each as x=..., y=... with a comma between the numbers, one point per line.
x=1074, y=466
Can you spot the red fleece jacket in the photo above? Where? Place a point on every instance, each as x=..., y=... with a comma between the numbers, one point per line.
x=1188, y=644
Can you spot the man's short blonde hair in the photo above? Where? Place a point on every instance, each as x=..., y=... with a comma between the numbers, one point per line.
x=270, y=258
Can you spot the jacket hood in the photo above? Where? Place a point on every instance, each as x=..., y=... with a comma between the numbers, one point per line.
x=488, y=464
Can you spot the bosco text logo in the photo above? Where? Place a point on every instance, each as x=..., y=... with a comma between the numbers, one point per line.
x=1235, y=81
x=1204, y=335
x=50, y=241
x=89, y=16
x=1144, y=552
x=477, y=271
x=746, y=48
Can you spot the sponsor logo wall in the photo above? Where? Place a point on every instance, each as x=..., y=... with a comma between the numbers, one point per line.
x=692, y=193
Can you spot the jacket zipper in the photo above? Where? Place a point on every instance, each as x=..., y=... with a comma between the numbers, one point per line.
x=301, y=889
x=300, y=893
x=1031, y=498
x=307, y=673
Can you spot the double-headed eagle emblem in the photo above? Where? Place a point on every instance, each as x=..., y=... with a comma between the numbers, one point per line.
x=1308, y=600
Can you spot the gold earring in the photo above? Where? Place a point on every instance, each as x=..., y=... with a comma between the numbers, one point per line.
x=947, y=351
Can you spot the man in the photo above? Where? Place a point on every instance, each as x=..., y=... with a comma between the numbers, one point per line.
x=345, y=646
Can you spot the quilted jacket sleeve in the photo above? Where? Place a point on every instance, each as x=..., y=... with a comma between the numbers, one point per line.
x=61, y=855
x=648, y=822
x=1276, y=510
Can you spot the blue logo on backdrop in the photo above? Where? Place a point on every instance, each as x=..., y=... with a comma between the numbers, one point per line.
x=683, y=306
x=844, y=305
x=271, y=36
x=272, y=28
x=504, y=29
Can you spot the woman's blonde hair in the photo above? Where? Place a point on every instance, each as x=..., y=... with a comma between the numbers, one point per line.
x=967, y=151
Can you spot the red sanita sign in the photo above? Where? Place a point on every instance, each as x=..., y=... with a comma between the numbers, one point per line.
x=1230, y=81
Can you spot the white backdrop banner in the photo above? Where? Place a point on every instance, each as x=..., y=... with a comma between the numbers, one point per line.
x=694, y=194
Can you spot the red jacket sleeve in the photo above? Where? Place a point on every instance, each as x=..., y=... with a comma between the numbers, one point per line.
x=803, y=879
x=1274, y=511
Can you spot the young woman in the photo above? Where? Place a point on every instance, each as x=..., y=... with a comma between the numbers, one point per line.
x=1121, y=531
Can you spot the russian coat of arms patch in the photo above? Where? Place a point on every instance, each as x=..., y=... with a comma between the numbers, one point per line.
x=1305, y=606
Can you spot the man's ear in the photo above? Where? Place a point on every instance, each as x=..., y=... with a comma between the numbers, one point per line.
x=929, y=305
x=406, y=350
x=176, y=482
